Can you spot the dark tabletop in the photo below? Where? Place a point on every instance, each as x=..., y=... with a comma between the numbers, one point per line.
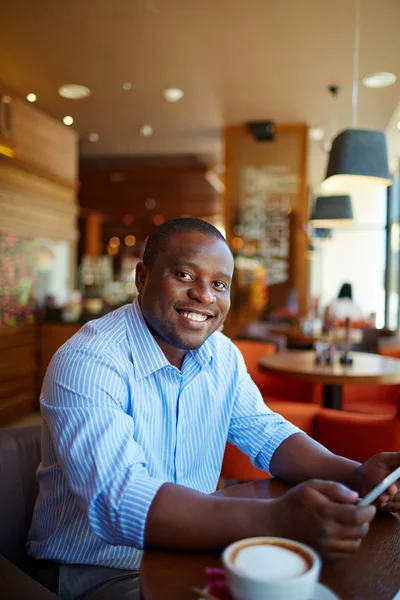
x=372, y=573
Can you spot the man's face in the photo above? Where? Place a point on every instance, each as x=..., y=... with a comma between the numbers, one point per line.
x=185, y=296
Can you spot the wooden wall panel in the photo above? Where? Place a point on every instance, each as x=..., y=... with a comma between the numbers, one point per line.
x=38, y=183
x=40, y=143
x=31, y=206
x=18, y=371
x=51, y=337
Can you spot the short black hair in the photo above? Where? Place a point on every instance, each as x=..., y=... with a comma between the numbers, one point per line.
x=161, y=235
x=346, y=291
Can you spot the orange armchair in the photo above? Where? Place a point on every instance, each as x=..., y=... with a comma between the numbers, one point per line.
x=394, y=351
x=357, y=436
x=271, y=386
x=237, y=465
x=281, y=396
x=371, y=399
x=389, y=346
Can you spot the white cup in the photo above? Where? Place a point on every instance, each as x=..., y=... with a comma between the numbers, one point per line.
x=270, y=568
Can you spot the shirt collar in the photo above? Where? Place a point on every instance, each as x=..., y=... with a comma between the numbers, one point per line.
x=147, y=354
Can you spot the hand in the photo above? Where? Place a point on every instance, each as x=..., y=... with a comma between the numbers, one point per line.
x=372, y=472
x=325, y=515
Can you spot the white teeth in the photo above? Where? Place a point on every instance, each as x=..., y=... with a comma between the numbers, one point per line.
x=194, y=316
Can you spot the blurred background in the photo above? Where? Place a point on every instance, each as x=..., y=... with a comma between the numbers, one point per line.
x=115, y=117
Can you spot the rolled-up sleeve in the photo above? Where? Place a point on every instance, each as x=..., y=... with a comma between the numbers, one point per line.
x=83, y=400
x=254, y=428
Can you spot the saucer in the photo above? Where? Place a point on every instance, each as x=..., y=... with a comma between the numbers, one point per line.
x=321, y=592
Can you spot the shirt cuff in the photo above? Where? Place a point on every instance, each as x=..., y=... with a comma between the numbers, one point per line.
x=133, y=510
x=264, y=457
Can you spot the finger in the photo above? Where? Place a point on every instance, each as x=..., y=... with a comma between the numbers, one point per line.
x=383, y=499
x=337, y=492
x=353, y=533
x=393, y=489
x=390, y=492
x=340, y=547
x=388, y=495
x=346, y=514
x=331, y=531
x=391, y=507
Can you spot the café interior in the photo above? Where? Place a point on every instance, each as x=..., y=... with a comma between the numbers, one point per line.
x=278, y=123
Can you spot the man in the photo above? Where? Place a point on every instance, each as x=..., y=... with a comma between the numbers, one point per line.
x=137, y=408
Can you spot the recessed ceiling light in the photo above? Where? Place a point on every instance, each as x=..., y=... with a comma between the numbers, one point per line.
x=316, y=134
x=379, y=80
x=150, y=203
x=93, y=137
x=127, y=86
x=117, y=177
x=398, y=124
x=146, y=130
x=114, y=242
x=31, y=97
x=130, y=240
x=68, y=120
x=73, y=91
x=326, y=146
x=173, y=94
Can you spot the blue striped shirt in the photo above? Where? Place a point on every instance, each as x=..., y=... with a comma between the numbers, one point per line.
x=119, y=421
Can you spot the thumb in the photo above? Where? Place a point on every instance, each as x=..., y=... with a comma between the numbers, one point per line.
x=336, y=492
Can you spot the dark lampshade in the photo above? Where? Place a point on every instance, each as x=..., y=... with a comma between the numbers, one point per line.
x=331, y=211
x=358, y=158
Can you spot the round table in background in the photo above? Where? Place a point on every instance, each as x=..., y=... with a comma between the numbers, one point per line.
x=372, y=573
x=366, y=368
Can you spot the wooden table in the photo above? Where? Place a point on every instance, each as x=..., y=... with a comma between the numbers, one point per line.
x=366, y=368
x=372, y=573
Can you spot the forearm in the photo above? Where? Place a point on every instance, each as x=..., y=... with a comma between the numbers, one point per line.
x=300, y=458
x=181, y=518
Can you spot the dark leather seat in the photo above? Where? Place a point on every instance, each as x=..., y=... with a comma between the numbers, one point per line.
x=19, y=459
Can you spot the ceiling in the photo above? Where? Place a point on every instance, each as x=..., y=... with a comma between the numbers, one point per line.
x=236, y=60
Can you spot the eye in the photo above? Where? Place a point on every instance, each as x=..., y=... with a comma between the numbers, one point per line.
x=221, y=285
x=184, y=276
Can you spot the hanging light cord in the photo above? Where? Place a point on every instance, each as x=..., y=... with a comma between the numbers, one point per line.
x=356, y=64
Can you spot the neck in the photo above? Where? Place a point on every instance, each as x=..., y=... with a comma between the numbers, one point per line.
x=174, y=355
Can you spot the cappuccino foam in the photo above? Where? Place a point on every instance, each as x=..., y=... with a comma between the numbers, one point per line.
x=270, y=561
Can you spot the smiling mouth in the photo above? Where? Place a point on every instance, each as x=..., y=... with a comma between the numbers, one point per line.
x=195, y=317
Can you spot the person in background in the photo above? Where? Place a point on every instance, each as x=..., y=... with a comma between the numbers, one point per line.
x=343, y=307
x=137, y=408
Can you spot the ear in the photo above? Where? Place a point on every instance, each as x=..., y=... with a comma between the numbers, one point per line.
x=141, y=276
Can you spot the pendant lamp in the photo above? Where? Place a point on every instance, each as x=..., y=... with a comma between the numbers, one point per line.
x=331, y=211
x=358, y=157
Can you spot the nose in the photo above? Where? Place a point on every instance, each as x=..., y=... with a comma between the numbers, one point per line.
x=202, y=292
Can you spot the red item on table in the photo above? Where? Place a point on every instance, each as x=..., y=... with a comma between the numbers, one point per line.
x=216, y=583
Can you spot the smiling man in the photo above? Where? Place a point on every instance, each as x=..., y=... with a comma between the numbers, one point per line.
x=137, y=408
x=184, y=286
